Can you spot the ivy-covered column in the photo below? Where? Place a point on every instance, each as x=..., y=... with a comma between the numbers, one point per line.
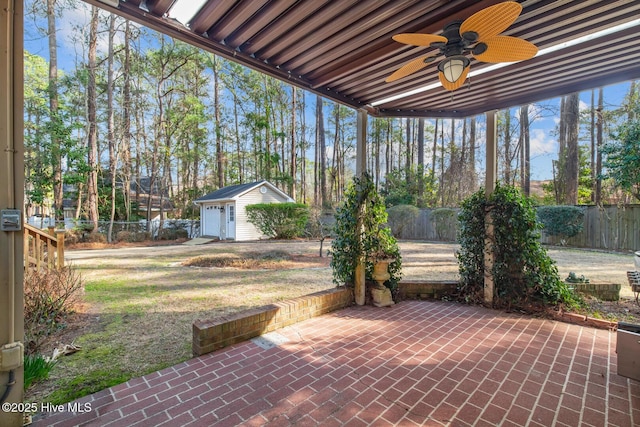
x=490, y=184
x=359, y=280
x=489, y=255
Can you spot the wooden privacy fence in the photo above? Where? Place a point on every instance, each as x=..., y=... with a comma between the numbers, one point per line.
x=612, y=228
x=430, y=225
x=43, y=249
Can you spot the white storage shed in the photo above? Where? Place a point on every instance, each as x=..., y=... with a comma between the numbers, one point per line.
x=223, y=215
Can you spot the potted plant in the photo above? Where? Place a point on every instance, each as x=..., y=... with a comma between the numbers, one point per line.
x=364, y=237
x=382, y=252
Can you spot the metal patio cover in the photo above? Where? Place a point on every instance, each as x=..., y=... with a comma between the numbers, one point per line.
x=342, y=49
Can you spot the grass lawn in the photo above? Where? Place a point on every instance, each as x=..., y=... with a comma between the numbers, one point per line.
x=139, y=303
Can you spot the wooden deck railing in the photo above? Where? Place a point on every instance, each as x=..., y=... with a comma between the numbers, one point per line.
x=43, y=249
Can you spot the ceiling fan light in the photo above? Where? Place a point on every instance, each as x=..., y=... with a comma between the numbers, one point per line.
x=453, y=67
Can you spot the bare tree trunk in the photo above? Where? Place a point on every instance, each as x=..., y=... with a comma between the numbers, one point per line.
x=599, y=138
x=292, y=172
x=421, y=161
x=303, y=151
x=92, y=146
x=442, y=164
x=526, y=149
x=236, y=132
x=267, y=133
x=388, y=161
x=434, y=153
x=376, y=154
x=126, y=123
x=560, y=172
x=218, y=133
x=322, y=148
x=633, y=100
x=407, y=161
x=507, y=146
x=572, y=164
x=592, y=136
x=453, y=187
x=111, y=138
x=472, y=155
x=335, y=158
x=56, y=149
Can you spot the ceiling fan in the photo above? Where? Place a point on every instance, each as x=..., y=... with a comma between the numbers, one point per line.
x=478, y=35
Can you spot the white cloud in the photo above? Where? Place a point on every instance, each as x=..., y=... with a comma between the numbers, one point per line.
x=73, y=31
x=584, y=106
x=542, y=142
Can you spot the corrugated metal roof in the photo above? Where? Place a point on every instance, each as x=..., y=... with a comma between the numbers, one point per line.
x=343, y=50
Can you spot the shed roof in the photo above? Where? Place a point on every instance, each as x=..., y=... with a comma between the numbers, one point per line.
x=232, y=192
x=343, y=50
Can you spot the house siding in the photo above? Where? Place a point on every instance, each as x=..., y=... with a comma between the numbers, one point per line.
x=244, y=229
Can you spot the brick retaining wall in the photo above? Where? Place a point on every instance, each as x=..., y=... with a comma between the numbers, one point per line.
x=214, y=334
x=211, y=335
x=603, y=291
x=434, y=289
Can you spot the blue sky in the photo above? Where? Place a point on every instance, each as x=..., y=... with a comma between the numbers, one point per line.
x=544, y=144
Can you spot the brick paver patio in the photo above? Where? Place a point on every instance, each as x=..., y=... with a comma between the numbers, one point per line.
x=416, y=363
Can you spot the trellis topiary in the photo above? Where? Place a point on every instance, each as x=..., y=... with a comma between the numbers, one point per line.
x=374, y=238
x=525, y=277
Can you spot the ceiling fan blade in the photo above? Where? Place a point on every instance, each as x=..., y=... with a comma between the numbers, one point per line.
x=417, y=39
x=409, y=68
x=507, y=49
x=491, y=21
x=455, y=85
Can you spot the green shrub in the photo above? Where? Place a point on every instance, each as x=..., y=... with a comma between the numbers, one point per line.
x=347, y=246
x=172, y=234
x=279, y=220
x=401, y=215
x=525, y=277
x=446, y=223
x=564, y=221
x=36, y=368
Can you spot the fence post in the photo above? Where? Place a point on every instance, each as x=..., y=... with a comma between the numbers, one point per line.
x=26, y=247
x=60, y=249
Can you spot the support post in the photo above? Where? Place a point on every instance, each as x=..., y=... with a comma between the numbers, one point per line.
x=361, y=142
x=492, y=153
x=11, y=197
x=361, y=167
x=490, y=185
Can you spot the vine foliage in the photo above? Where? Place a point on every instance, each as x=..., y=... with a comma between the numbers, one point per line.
x=525, y=277
x=373, y=240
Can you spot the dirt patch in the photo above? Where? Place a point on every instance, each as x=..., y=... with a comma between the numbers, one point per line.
x=274, y=259
x=624, y=310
